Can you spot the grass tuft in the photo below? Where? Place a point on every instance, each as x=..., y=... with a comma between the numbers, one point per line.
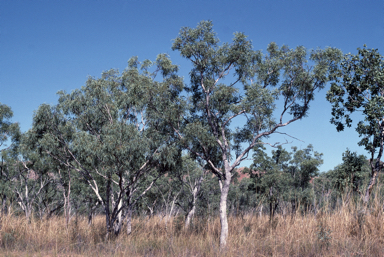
x=345, y=232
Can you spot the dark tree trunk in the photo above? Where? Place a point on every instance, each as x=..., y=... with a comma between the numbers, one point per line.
x=107, y=212
x=372, y=182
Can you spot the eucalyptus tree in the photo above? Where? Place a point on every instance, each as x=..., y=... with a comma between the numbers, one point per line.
x=8, y=174
x=34, y=180
x=22, y=175
x=167, y=190
x=192, y=177
x=9, y=140
x=347, y=178
x=106, y=132
x=303, y=167
x=189, y=177
x=8, y=130
x=324, y=192
x=60, y=189
x=241, y=200
x=359, y=87
x=286, y=176
x=270, y=181
x=231, y=81
x=177, y=190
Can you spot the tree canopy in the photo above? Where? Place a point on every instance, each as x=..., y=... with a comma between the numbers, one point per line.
x=9, y=131
x=232, y=80
x=106, y=132
x=358, y=86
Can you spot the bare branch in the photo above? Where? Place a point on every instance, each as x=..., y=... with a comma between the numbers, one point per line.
x=277, y=132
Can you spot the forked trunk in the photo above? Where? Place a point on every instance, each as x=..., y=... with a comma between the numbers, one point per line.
x=195, y=191
x=223, y=211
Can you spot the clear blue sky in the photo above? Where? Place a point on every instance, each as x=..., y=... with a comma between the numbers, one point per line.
x=47, y=46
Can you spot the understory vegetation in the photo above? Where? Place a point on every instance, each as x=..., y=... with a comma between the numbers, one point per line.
x=349, y=230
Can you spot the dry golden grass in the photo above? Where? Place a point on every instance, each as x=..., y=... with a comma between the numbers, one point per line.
x=347, y=232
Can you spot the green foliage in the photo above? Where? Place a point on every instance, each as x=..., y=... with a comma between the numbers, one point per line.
x=284, y=177
x=208, y=199
x=8, y=130
x=107, y=133
x=358, y=87
x=350, y=174
x=9, y=144
x=109, y=144
x=258, y=81
x=241, y=200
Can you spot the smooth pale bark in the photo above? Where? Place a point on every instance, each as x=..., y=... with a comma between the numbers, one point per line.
x=129, y=221
x=150, y=211
x=223, y=209
x=67, y=201
x=119, y=223
x=27, y=198
x=168, y=214
x=190, y=215
x=195, y=191
x=106, y=208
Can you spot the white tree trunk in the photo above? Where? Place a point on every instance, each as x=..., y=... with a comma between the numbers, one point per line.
x=190, y=215
x=195, y=191
x=223, y=210
x=129, y=221
x=119, y=222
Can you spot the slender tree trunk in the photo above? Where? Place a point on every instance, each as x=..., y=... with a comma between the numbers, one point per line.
x=377, y=168
x=107, y=212
x=195, y=192
x=4, y=205
x=28, y=211
x=119, y=223
x=293, y=207
x=271, y=212
x=129, y=220
x=90, y=213
x=223, y=210
x=150, y=211
x=190, y=215
x=67, y=202
x=372, y=182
